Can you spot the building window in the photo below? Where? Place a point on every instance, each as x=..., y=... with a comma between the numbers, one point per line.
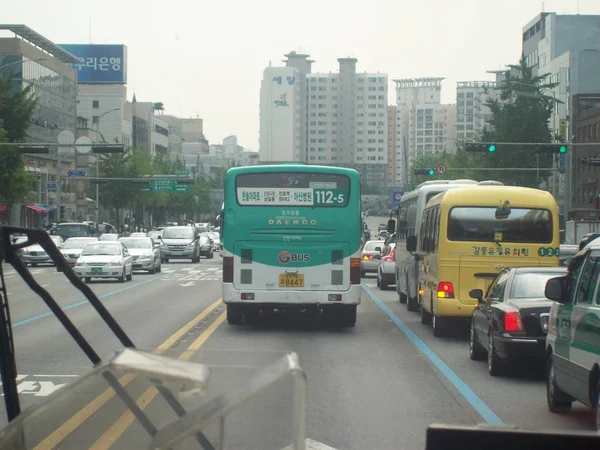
x=95, y=119
x=95, y=104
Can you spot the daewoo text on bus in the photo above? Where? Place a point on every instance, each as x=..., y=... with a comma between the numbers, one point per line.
x=292, y=236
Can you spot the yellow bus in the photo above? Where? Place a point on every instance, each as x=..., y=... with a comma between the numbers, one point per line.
x=469, y=234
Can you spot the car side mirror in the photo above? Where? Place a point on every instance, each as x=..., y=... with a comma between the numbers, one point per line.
x=411, y=244
x=477, y=294
x=557, y=290
x=391, y=226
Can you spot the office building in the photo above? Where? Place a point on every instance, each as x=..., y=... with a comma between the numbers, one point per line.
x=31, y=59
x=280, y=116
x=392, y=143
x=423, y=124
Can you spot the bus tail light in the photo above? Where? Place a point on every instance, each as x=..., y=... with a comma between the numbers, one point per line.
x=390, y=257
x=445, y=290
x=228, y=269
x=512, y=321
x=334, y=297
x=355, y=271
x=246, y=296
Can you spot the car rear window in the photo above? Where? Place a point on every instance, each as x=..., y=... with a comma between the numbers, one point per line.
x=531, y=284
x=370, y=246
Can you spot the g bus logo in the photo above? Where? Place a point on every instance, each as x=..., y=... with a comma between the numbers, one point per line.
x=285, y=257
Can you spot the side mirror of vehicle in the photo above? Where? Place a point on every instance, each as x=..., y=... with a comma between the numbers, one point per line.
x=391, y=226
x=557, y=290
x=411, y=244
x=477, y=294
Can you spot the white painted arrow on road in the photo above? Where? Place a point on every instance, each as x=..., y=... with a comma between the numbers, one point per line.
x=188, y=284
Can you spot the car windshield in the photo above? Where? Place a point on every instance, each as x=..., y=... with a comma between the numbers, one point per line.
x=531, y=285
x=101, y=249
x=178, y=233
x=77, y=243
x=137, y=243
x=370, y=246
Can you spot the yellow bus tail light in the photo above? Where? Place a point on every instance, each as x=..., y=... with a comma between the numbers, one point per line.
x=445, y=290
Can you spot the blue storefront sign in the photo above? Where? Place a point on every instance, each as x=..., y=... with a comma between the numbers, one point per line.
x=396, y=197
x=99, y=63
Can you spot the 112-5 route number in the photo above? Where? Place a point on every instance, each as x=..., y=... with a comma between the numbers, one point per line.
x=328, y=197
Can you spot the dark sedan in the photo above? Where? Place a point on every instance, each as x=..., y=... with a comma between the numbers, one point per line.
x=507, y=322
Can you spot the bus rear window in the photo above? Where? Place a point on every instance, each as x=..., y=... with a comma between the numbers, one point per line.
x=292, y=189
x=479, y=224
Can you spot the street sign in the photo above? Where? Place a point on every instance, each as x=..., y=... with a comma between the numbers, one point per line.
x=168, y=186
x=182, y=188
x=51, y=186
x=182, y=172
x=441, y=169
x=76, y=173
x=396, y=197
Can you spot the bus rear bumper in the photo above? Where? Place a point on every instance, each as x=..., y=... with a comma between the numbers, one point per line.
x=291, y=297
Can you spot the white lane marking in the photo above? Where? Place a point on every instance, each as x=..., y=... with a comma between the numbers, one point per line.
x=39, y=388
x=45, y=285
x=212, y=269
x=55, y=376
x=188, y=284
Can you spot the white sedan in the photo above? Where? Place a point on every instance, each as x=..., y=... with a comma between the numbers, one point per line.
x=104, y=259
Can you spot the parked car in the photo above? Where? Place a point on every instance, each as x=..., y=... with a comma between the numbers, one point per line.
x=506, y=324
x=104, y=259
x=369, y=259
x=386, y=272
x=145, y=253
x=573, y=340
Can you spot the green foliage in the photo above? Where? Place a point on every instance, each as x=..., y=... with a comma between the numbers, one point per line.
x=16, y=108
x=522, y=115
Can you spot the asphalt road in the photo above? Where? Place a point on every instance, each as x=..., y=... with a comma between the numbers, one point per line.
x=376, y=386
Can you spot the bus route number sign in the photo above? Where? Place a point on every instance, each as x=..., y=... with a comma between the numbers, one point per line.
x=329, y=196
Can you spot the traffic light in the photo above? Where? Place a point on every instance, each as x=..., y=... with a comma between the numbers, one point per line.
x=479, y=147
x=552, y=148
x=429, y=172
x=62, y=213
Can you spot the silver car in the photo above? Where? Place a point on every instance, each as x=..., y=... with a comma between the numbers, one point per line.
x=73, y=247
x=145, y=253
x=369, y=258
x=35, y=254
x=104, y=259
x=386, y=272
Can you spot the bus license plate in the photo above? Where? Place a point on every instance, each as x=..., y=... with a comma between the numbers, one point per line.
x=96, y=270
x=291, y=280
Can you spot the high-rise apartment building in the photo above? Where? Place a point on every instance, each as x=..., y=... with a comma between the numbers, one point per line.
x=472, y=112
x=423, y=124
x=392, y=144
x=281, y=116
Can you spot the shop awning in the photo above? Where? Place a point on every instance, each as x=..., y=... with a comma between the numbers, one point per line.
x=37, y=209
x=46, y=207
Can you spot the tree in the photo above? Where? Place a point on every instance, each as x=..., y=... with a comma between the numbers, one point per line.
x=118, y=194
x=521, y=115
x=16, y=109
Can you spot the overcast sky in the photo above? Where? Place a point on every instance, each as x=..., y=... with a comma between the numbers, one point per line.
x=206, y=59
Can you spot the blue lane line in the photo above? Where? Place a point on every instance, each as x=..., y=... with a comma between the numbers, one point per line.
x=83, y=302
x=470, y=396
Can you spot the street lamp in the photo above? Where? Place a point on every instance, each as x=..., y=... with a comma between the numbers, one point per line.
x=97, y=218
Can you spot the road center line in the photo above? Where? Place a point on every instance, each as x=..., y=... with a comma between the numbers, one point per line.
x=121, y=425
x=468, y=394
x=60, y=434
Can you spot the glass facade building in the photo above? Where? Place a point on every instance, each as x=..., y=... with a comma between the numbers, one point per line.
x=55, y=95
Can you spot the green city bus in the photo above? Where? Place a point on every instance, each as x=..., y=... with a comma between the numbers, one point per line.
x=291, y=241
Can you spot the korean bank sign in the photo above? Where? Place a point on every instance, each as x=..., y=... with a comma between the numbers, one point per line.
x=99, y=64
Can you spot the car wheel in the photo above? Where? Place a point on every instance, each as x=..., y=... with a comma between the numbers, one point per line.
x=153, y=269
x=557, y=400
x=598, y=406
x=122, y=277
x=437, y=324
x=382, y=284
x=495, y=367
x=88, y=280
x=476, y=351
x=130, y=276
x=159, y=268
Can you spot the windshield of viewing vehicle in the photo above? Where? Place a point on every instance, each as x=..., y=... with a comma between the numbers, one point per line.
x=101, y=249
x=479, y=224
x=137, y=243
x=292, y=189
x=77, y=243
x=178, y=233
x=531, y=285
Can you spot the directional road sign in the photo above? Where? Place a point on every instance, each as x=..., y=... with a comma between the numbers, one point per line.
x=167, y=186
x=51, y=186
x=396, y=197
x=76, y=173
x=441, y=169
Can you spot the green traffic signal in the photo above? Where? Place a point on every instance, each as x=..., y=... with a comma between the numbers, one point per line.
x=492, y=148
x=431, y=172
x=562, y=149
